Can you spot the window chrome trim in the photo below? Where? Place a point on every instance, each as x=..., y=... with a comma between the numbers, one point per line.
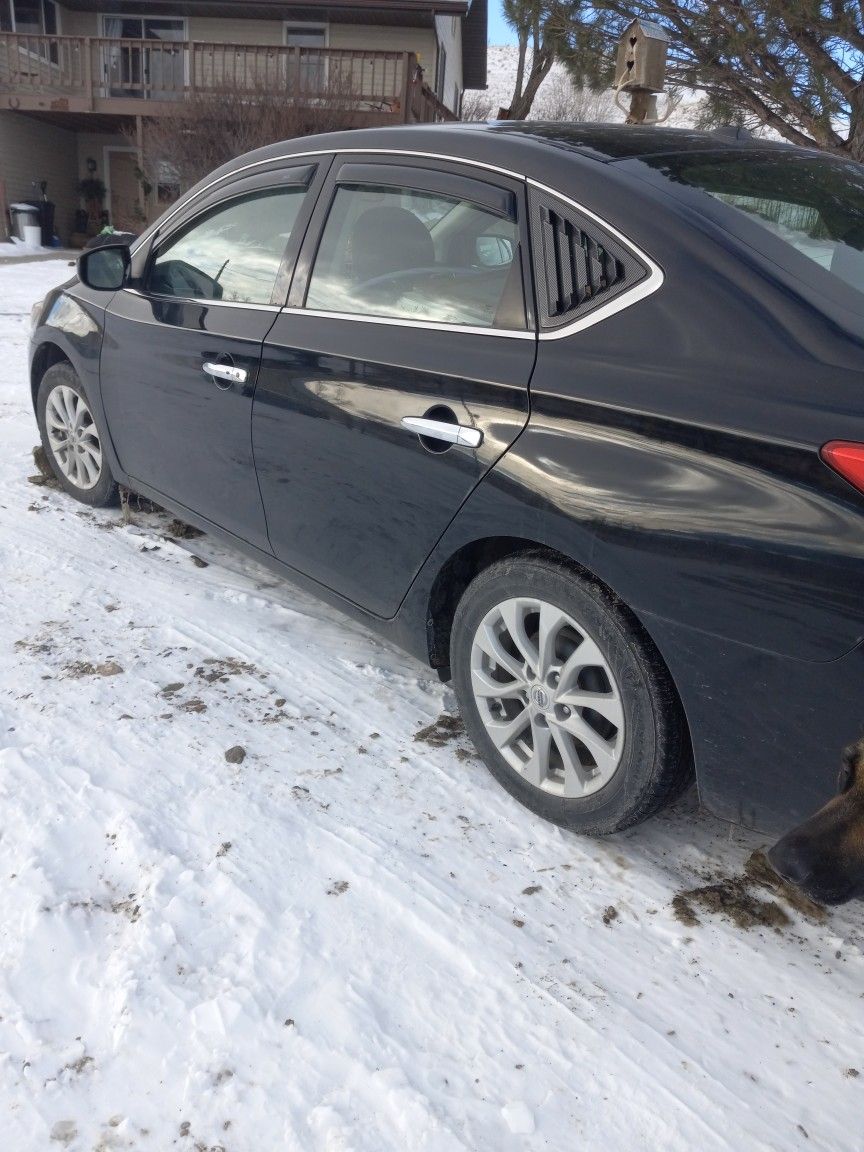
x=400, y=322
x=640, y=291
x=201, y=301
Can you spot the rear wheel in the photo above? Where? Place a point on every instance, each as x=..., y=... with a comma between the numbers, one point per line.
x=72, y=440
x=566, y=698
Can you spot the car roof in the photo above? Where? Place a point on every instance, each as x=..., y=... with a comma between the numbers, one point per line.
x=621, y=141
x=503, y=139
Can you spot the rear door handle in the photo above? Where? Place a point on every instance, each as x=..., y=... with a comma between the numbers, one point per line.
x=225, y=372
x=441, y=430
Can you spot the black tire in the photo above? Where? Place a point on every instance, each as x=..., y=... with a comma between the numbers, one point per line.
x=655, y=763
x=104, y=491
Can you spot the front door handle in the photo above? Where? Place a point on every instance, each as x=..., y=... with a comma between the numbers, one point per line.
x=225, y=372
x=441, y=430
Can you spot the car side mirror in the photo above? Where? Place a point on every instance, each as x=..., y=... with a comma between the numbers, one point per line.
x=106, y=268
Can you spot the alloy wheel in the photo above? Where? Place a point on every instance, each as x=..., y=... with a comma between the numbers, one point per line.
x=547, y=697
x=73, y=437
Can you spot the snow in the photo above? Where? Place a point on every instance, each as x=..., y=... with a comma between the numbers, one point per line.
x=21, y=248
x=502, y=64
x=352, y=939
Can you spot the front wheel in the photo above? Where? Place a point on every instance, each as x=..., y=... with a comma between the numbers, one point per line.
x=71, y=438
x=566, y=698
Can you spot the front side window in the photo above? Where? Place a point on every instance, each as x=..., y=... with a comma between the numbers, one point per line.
x=233, y=254
x=404, y=254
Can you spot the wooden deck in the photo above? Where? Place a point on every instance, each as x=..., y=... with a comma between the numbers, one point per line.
x=78, y=74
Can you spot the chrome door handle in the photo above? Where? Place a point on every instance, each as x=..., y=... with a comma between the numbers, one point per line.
x=225, y=372
x=441, y=430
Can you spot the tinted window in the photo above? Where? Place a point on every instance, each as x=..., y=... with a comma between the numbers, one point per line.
x=233, y=254
x=813, y=204
x=401, y=253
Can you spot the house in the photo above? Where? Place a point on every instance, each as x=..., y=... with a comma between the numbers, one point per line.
x=79, y=79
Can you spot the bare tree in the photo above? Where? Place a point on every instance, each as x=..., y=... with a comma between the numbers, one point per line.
x=560, y=99
x=476, y=105
x=208, y=129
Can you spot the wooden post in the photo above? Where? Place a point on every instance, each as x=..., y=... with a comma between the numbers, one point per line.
x=409, y=61
x=4, y=212
x=88, y=72
x=139, y=145
x=643, y=107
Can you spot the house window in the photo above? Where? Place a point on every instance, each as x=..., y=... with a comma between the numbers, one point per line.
x=152, y=70
x=307, y=69
x=29, y=17
x=441, y=71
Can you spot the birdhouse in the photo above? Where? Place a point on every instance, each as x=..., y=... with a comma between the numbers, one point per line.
x=642, y=57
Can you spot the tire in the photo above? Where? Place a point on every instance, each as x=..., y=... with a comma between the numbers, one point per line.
x=65, y=418
x=593, y=737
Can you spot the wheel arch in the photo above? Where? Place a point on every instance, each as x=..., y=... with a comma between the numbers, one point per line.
x=45, y=356
x=467, y=562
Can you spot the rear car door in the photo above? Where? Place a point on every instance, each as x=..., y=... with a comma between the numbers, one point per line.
x=183, y=343
x=411, y=302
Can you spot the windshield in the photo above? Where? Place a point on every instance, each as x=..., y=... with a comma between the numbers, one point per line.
x=812, y=203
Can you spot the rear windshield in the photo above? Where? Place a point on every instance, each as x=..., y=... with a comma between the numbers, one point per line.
x=812, y=203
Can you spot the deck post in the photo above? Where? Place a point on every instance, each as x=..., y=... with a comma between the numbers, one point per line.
x=88, y=72
x=409, y=64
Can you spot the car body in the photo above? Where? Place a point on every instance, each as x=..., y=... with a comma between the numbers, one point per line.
x=665, y=439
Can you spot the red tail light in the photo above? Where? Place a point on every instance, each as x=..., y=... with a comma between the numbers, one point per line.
x=847, y=459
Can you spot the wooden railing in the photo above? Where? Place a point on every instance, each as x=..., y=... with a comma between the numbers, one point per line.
x=78, y=73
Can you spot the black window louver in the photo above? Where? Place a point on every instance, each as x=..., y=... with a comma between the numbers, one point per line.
x=581, y=267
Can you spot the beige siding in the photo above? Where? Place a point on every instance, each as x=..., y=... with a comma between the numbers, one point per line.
x=33, y=150
x=91, y=145
x=368, y=36
x=227, y=31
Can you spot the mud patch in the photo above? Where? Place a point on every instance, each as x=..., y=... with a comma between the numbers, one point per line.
x=731, y=898
x=80, y=668
x=45, y=642
x=216, y=669
x=44, y=477
x=737, y=898
x=131, y=502
x=178, y=530
x=439, y=734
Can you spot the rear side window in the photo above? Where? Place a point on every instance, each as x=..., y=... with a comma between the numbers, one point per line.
x=580, y=267
x=814, y=204
x=407, y=254
x=232, y=254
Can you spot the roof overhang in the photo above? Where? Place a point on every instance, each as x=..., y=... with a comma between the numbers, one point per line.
x=475, y=34
x=410, y=12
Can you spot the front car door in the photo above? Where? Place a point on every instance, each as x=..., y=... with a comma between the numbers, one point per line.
x=182, y=346
x=409, y=304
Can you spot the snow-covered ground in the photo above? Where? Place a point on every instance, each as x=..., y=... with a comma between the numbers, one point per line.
x=353, y=939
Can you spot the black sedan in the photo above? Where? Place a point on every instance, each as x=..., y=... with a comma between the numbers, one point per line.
x=572, y=413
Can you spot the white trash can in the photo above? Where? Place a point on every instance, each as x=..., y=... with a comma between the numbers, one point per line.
x=25, y=216
x=32, y=235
